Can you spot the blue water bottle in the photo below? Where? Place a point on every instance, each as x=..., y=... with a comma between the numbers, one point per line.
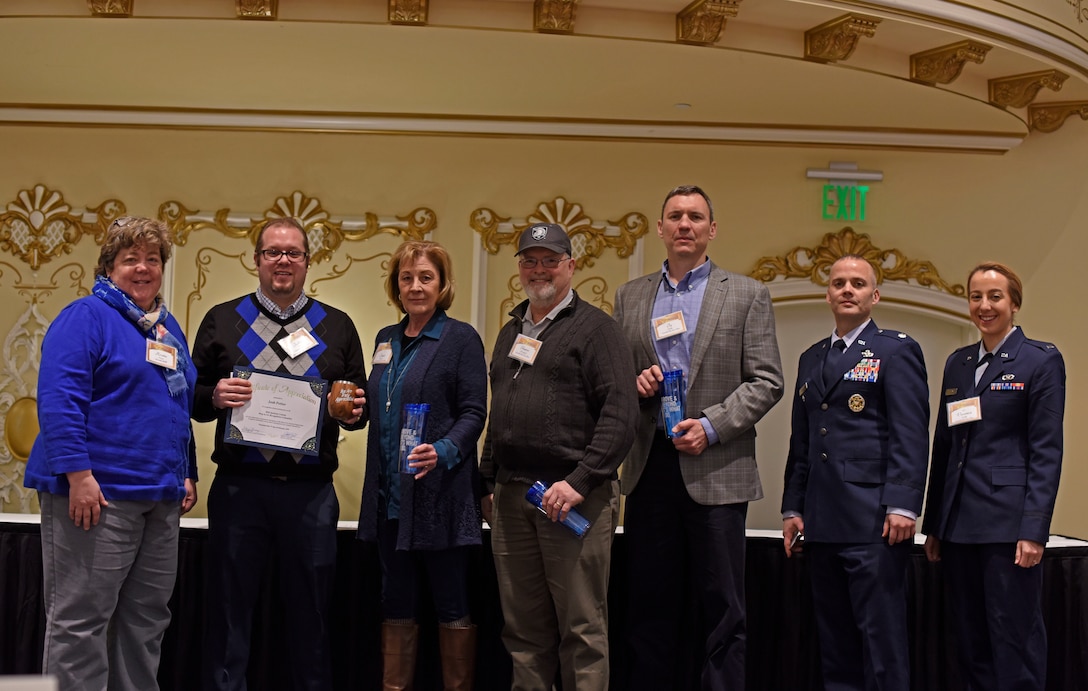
x=411, y=433
x=574, y=520
x=672, y=400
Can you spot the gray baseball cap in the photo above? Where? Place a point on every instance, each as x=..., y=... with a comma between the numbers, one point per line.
x=550, y=236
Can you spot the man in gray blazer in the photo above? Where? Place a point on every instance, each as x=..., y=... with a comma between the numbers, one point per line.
x=688, y=484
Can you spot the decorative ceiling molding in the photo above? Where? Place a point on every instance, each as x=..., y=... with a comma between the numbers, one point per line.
x=814, y=263
x=325, y=233
x=1049, y=117
x=39, y=225
x=408, y=12
x=589, y=239
x=651, y=131
x=110, y=8
x=836, y=40
x=945, y=64
x=256, y=9
x=703, y=21
x=964, y=19
x=1018, y=91
x=554, y=16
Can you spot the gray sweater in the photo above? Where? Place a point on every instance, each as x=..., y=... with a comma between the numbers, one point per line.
x=568, y=416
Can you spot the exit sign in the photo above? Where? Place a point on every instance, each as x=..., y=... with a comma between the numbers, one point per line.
x=844, y=202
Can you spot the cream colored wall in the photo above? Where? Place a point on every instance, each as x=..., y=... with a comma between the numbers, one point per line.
x=1028, y=208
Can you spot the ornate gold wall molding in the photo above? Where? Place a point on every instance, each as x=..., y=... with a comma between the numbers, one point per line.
x=20, y=362
x=814, y=263
x=325, y=233
x=40, y=225
x=945, y=64
x=589, y=239
x=110, y=8
x=256, y=9
x=336, y=270
x=72, y=276
x=836, y=40
x=411, y=12
x=1020, y=90
x=595, y=290
x=703, y=21
x=203, y=260
x=554, y=16
x=1049, y=117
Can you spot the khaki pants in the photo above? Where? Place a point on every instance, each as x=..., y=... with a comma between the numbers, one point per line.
x=554, y=589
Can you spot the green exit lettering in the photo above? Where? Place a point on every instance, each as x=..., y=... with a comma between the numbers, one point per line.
x=844, y=203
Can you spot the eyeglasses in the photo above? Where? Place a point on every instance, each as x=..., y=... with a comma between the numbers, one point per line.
x=546, y=262
x=273, y=255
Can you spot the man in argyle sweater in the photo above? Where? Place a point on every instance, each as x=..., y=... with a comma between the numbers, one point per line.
x=272, y=507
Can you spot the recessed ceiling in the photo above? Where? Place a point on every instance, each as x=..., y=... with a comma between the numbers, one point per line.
x=620, y=72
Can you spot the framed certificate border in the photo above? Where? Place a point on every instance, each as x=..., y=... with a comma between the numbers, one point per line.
x=310, y=446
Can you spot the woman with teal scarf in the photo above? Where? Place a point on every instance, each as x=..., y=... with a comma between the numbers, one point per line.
x=114, y=466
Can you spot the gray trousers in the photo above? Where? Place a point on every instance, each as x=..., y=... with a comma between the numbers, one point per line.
x=106, y=593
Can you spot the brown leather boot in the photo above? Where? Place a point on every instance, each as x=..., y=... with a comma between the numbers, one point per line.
x=458, y=648
x=399, y=644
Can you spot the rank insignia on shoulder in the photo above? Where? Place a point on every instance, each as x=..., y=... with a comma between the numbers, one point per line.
x=902, y=335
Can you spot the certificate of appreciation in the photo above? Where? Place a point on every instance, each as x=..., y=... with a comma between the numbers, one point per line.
x=284, y=414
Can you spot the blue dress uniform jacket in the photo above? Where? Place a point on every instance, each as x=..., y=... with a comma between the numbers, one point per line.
x=993, y=483
x=859, y=445
x=996, y=479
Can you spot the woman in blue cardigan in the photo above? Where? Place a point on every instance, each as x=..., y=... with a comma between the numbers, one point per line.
x=114, y=467
x=425, y=522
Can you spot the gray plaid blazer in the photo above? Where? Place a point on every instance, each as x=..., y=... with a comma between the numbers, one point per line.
x=735, y=378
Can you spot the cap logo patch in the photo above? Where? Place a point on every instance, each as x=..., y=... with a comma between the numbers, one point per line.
x=540, y=232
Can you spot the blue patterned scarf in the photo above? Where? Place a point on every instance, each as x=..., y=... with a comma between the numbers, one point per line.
x=151, y=323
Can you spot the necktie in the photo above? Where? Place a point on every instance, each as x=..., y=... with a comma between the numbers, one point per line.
x=833, y=362
x=980, y=368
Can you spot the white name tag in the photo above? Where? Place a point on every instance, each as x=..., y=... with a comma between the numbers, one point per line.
x=297, y=343
x=669, y=325
x=525, y=349
x=162, y=355
x=383, y=354
x=967, y=410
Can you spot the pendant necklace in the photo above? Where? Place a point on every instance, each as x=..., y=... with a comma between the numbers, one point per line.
x=391, y=383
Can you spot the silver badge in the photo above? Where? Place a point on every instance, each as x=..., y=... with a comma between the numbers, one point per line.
x=1008, y=377
x=540, y=232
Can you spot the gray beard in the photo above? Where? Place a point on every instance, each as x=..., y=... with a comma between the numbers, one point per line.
x=541, y=296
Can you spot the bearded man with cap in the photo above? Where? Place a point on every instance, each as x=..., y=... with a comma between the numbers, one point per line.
x=563, y=408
